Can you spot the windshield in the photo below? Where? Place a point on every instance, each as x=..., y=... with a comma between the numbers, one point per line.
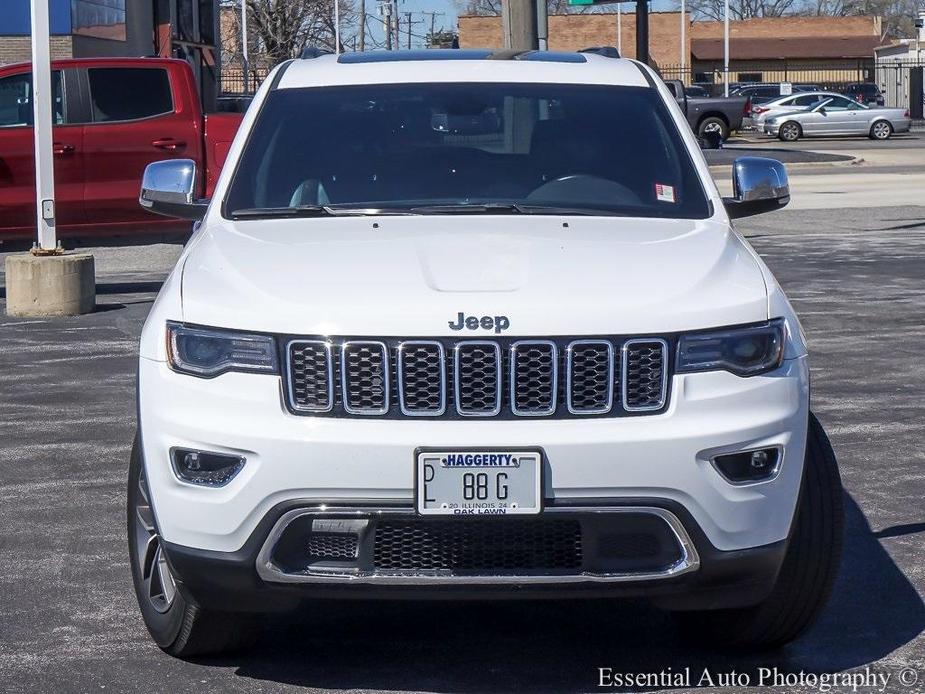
x=449, y=148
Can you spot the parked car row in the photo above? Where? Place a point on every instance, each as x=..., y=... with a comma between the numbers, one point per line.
x=825, y=113
x=760, y=92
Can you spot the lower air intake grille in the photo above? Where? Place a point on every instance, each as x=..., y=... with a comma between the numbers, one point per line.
x=462, y=545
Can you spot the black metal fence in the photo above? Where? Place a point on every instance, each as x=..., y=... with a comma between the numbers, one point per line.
x=233, y=81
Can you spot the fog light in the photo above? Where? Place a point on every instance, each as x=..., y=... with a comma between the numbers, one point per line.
x=205, y=468
x=748, y=466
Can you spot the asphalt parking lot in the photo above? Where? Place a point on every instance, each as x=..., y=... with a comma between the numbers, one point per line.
x=68, y=620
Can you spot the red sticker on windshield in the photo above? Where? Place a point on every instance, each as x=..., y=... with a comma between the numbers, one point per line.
x=664, y=193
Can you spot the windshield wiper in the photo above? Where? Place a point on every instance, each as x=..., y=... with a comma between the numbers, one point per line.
x=316, y=211
x=512, y=208
x=297, y=211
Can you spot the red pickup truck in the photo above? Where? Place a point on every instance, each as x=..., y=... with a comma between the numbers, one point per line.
x=113, y=116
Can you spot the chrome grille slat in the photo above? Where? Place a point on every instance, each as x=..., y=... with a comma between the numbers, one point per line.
x=644, y=374
x=478, y=378
x=364, y=368
x=589, y=376
x=534, y=378
x=421, y=378
x=503, y=378
x=313, y=389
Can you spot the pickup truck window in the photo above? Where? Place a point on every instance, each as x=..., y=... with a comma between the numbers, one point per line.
x=16, y=100
x=121, y=94
x=545, y=148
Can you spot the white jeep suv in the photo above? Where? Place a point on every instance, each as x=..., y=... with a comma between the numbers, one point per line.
x=463, y=323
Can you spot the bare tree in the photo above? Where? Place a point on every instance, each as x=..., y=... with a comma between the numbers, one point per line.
x=740, y=9
x=280, y=29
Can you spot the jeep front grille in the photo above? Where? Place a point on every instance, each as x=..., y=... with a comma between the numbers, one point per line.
x=502, y=378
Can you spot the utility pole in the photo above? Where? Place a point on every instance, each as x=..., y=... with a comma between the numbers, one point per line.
x=397, y=40
x=433, y=22
x=642, y=31
x=385, y=8
x=336, y=27
x=518, y=19
x=542, y=25
x=362, y=27
x=683, y=36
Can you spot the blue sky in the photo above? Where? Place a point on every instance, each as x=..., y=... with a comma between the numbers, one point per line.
x=448, y=20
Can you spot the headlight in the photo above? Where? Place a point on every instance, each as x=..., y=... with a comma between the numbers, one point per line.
x=744, y=351
x=208, y=352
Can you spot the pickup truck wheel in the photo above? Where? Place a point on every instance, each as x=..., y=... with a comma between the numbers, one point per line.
x=881, y=130
x=713, y=124
x=177, y=625
x=790, y=132
x=808, y=571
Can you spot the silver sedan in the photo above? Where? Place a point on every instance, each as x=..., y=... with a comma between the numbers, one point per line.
x=838, y=115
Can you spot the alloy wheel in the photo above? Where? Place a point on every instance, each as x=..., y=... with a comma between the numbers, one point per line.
x=159, y=586
x=881, y=130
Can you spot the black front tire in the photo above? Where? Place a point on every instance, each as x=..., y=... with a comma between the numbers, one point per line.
x=713, y=124
x=179, y=626
x=808, y=573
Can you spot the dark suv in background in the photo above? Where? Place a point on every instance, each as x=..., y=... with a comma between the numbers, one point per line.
x=864, y=93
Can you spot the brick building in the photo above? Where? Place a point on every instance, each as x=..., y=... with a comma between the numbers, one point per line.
x=761, y=49
x=571, y=32
x=793, y=49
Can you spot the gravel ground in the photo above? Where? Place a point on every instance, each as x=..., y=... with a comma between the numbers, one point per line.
x=68, y=620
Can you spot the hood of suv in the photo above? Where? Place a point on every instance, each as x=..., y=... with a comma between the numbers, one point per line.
x=414, y=275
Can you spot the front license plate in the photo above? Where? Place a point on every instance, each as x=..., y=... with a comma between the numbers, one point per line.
x=458, y=483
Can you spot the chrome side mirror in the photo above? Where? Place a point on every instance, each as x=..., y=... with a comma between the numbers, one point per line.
x=168, y=188
x=758, y=185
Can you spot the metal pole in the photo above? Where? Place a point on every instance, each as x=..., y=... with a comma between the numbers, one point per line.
x=642, y=31
x=408, y=16
x=726, y=49
x=683, y=36
x=336, y=27
x=542, y=25
x=245, y=62
x=42, y=98
x=362, y=25
x=620, y=28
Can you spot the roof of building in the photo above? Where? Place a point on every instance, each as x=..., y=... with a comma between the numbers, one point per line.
x=792, y=47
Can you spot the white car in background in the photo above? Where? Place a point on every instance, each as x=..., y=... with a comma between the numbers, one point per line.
x=786, y=104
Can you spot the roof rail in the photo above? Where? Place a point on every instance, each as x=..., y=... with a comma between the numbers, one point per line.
x=311, y=52
x=606, y=51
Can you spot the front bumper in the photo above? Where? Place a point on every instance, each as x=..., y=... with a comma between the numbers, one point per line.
x=705, y=578
x=370, y=462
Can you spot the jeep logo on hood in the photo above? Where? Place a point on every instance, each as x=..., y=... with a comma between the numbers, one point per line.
x=496, y=323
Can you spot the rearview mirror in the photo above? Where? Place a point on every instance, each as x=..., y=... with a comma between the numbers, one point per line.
x=758, y=185
x=168, y=187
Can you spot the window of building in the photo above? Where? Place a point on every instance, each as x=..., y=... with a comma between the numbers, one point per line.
x=119, y=94
x=750, y=76
x=16, y=100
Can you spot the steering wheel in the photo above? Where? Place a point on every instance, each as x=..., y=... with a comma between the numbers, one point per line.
x=584, y=189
